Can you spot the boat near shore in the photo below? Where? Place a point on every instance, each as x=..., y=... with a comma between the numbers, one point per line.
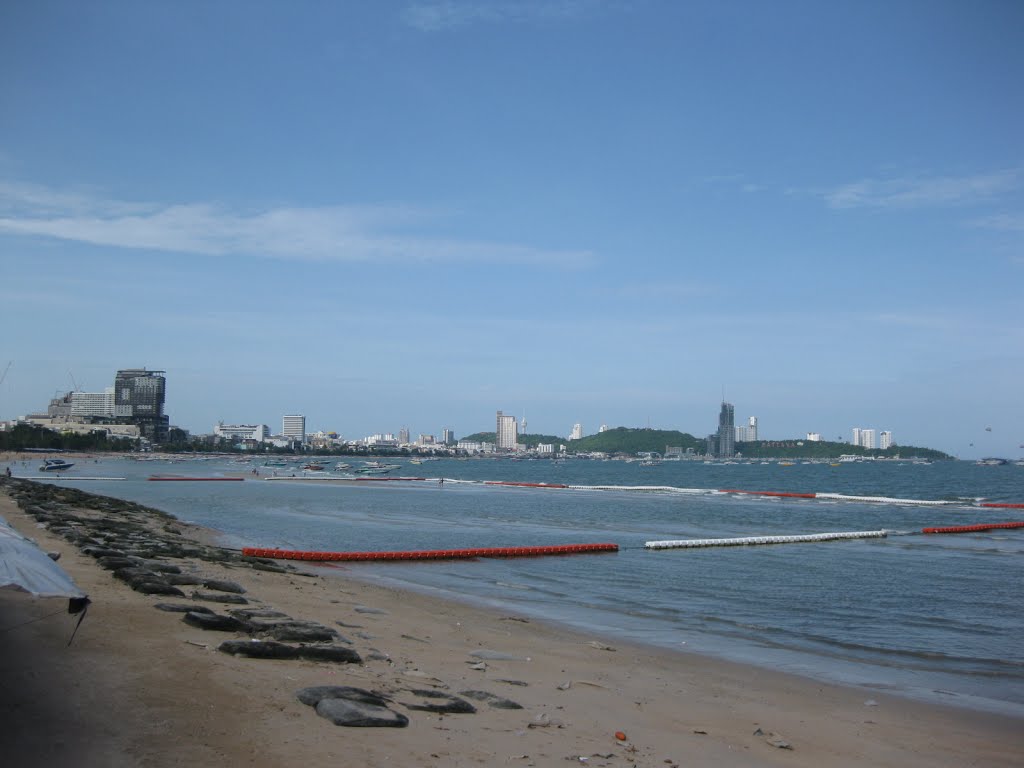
x=55, y=465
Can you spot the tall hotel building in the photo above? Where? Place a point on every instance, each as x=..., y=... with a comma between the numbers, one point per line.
x=93, y=403
x=506, y=433
x=294, y=428
x=139, y=399
x=885, y=440
x=726, y=430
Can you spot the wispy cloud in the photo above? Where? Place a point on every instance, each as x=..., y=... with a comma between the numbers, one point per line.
x=438, y=15
x=918, y=192
x=1008, y=222
x=330, y=233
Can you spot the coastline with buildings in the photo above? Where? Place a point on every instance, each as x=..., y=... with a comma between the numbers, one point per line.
x=131, y=415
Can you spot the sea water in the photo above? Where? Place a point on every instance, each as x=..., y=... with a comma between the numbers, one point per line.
x=936, y=617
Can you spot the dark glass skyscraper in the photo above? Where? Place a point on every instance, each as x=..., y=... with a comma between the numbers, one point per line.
x=726, y=430
x=139, y=399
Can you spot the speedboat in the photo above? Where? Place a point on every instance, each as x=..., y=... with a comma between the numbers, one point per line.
x=55, y=465
x=375, y=468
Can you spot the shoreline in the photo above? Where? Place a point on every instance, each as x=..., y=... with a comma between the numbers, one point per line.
x=132, y=668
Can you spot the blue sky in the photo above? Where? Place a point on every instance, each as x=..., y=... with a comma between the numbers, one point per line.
x=417, y=213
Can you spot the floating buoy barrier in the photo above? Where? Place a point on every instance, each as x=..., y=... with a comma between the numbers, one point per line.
x=773, y=493
x=76, y=478
x=321, y=478
x=749, y=540
x=1002, y=506
x=972, y=528
x=439, y=554
x=525, y=485
x=885, y=500
x=194, y=479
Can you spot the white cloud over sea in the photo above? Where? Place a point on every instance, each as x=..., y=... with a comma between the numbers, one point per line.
x=291, y=233
x=923, y=192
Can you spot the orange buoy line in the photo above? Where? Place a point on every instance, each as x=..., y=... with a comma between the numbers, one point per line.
x=190, y=479
x=440, y=554
x=972, y=528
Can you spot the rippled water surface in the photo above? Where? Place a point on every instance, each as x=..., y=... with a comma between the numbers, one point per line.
x=930, y=616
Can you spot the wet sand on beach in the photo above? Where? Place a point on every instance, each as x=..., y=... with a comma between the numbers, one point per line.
x=139, y=687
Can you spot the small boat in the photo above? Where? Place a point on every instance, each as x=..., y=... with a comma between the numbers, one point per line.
x=375, y=468
x=55, y=465
x=312, y=467
x=341, y=465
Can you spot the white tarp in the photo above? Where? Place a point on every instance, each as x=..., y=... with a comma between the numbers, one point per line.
x=24, y=566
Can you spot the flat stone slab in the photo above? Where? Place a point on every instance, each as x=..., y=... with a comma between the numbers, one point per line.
x=213, y=622
x=224, y=586
x=491, y=699
x=316, y=693
x=259, y=649
x=441, y=703
x=182, y=608
x=332, y=653
x=302, y=633
x=219, y=597
x=156, y=588
x=355, y=714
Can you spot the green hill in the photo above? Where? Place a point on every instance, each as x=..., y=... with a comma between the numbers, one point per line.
x=618, y=440
x=635, y=440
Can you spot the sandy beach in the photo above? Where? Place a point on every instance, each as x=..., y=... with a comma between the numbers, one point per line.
x=140, y=687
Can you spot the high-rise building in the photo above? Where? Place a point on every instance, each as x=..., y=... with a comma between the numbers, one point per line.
x=256, y=432
x=726, y=430
x=139, y=399
x=867, y=438
x=506, y=433
x=403, y=436
x=294, y=428
x=885, y=440
x=856, y=436
x=448, y=437
x=93, y=403
x=748, y=432
x=577, y=432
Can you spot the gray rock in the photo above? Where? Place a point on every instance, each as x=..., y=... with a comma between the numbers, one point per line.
x=224, y=586
x=314, y=694
x=303, y=633
x=259, y=649
x=213, y=621
x=492, y=700
x=219, y=597
x=156, y=588
x=372, y=611
x=182, y=579
x=357, y=715
x=442, y=703
x=259, y=613
x=182, y=608
x=332, y=653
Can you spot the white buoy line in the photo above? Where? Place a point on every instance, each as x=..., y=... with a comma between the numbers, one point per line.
x=749, y=540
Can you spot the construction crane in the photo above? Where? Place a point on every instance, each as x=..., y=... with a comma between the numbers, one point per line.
x=4, y=375
x=74, y=383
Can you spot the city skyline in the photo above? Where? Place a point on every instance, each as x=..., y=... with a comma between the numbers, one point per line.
x=414, y=213
x=145, y=388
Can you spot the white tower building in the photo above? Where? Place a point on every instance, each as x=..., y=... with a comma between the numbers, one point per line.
x=294, y=428
x=506, y=432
